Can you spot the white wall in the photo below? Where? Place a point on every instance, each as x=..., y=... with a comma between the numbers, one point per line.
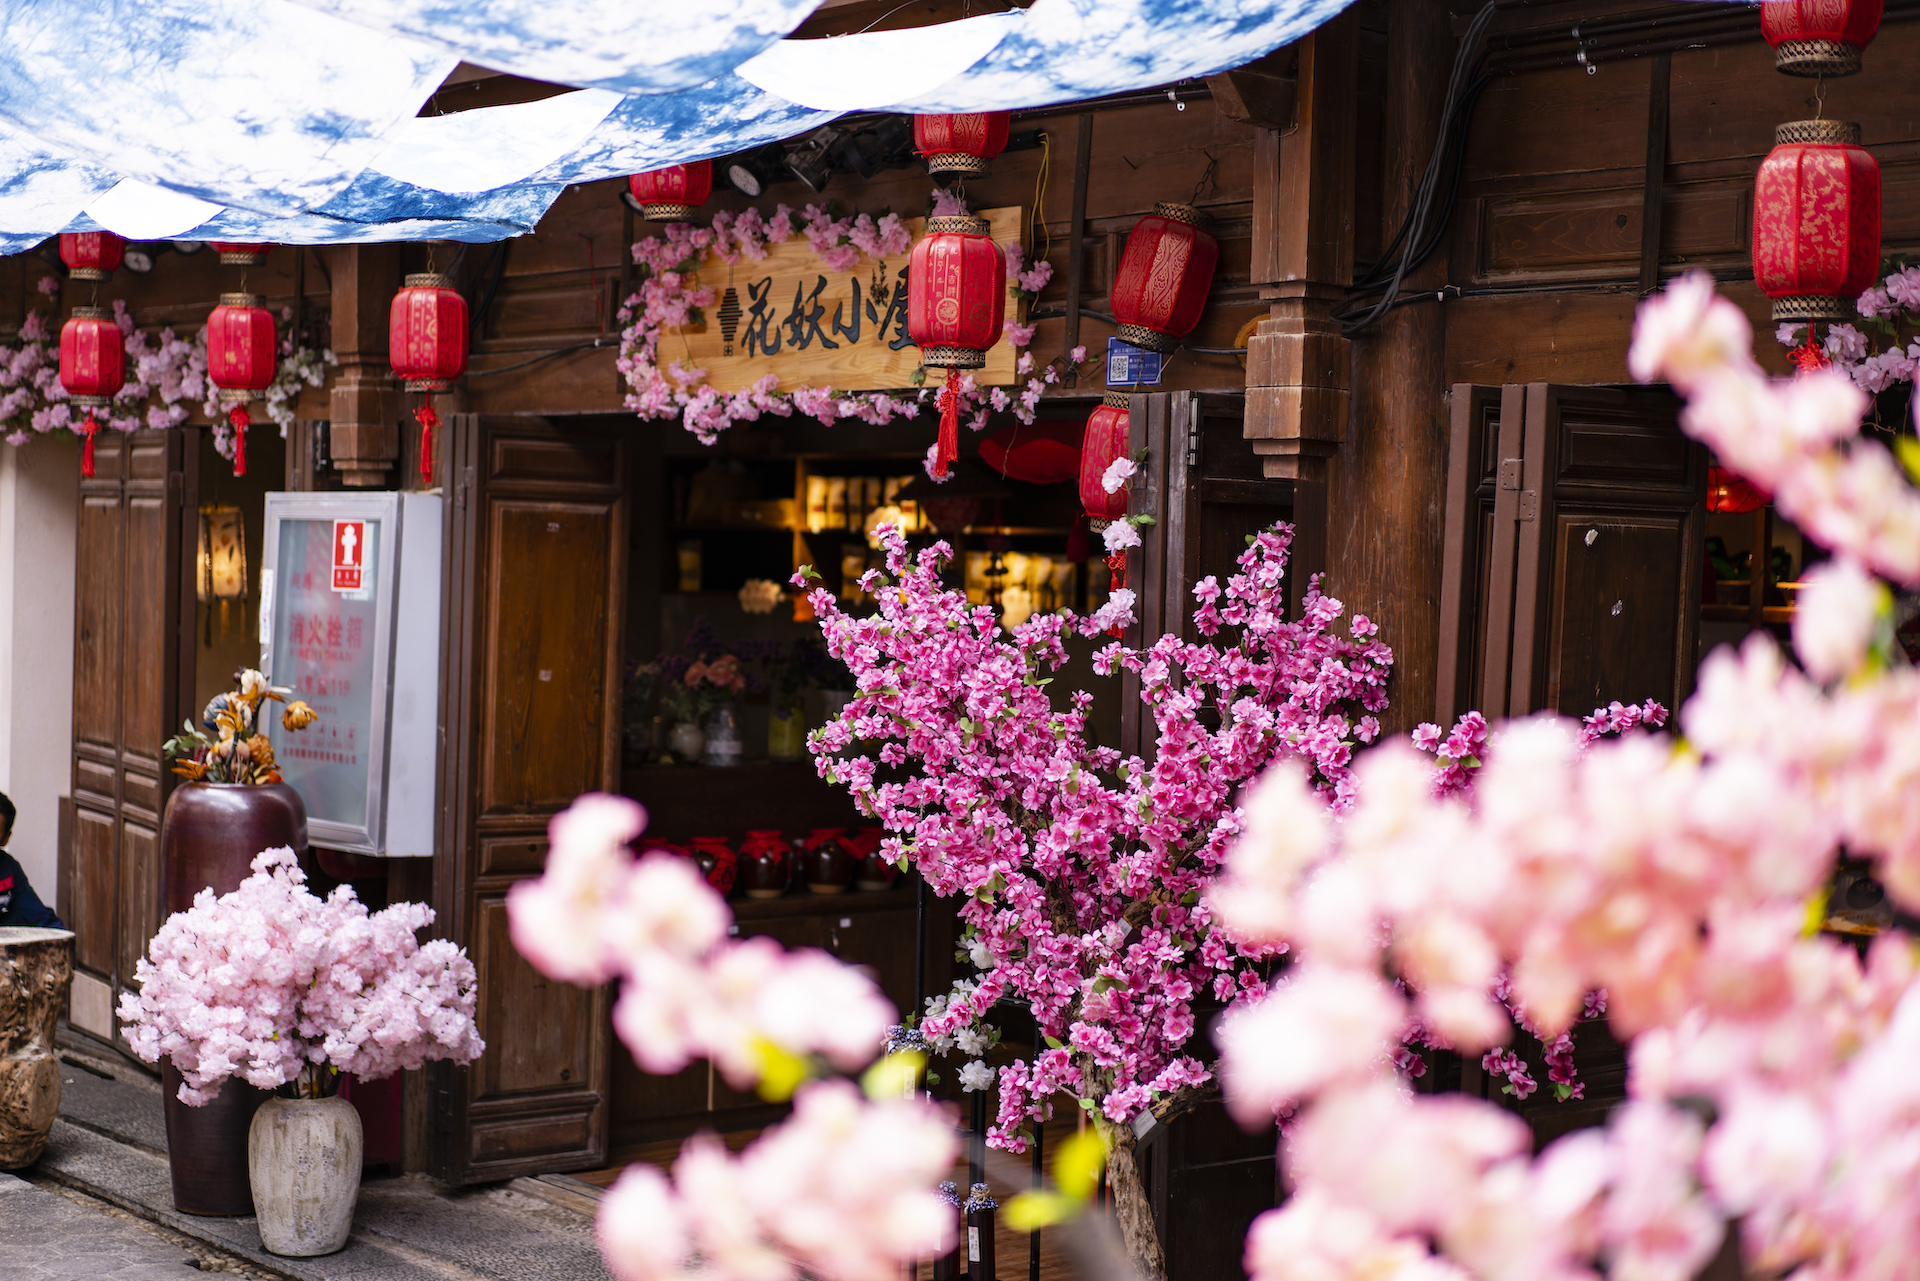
x=39, y=506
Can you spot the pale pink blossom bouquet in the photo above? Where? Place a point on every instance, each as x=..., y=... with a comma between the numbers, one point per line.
x=277, y=986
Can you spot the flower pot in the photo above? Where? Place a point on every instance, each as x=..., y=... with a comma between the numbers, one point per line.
x=716, y=861
x=209, y=837
x=36, y=969
x=786, y=735
x=686, y=741
x=829, y=862
x=303, y=1156
x=766, y=864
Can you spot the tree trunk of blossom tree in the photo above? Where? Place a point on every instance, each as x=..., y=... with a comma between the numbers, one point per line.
x=1131, y=1207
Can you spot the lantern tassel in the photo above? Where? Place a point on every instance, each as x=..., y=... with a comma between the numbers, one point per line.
x=1117, y=572
x=89, y=430
x=1809, y=357
x=949, y=447
x=239, y=418
x=428, y=420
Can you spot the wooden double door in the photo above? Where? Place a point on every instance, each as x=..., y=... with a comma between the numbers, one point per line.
x=533, y=590
x=133, y=683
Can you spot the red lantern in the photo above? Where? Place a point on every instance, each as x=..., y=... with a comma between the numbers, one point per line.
x=427, y=339
x=1105, y=441
x=1819, y=37
x=1165, y=273
x=673, y=194
x=1816, y=220
x=90, y=255
x=956, y=309
x=242, y=358
x=1729, y=492
x=961, y=144
x=93, y=367
x=241, y=255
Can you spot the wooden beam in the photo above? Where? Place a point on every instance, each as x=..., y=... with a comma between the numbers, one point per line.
x=365, y=435
x=1255, y=97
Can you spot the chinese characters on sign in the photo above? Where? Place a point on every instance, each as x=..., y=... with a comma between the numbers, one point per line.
x=788, y=315
x=325, y=604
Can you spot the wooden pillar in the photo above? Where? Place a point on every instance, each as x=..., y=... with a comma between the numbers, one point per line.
x=1387, y=497
x=1298, y=365
x=365, y=436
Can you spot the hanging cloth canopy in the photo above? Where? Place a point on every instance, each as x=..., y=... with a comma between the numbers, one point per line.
x=296, y=121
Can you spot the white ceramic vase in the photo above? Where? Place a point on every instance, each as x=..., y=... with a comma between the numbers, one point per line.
x=303, y=1156
x=687, y=740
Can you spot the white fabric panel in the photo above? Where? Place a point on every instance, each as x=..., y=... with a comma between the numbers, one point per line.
x=860, y=72
x=141, y=211
x=631, y=46
x=492, y=146
x=40, y=192
x=260, y=103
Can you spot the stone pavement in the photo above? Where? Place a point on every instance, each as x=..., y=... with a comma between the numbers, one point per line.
x=110, y=1143
x=49, y=1238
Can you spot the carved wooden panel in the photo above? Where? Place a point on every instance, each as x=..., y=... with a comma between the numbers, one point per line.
x=96, y=876
x=96, y=640
x=139, y=909
x=1616, y=607
x=545, y=682
x=540, y=1031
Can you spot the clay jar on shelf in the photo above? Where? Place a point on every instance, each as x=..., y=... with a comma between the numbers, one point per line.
x=766, y=864
x=874, y=873
x=716, y=861
x=828, y=861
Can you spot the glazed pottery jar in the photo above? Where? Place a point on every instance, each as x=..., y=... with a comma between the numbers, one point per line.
x=766, y=864
x=716, y=861
x=829, y=862
x=687, y=741
x=875, y=872
x=786, y=734
x=303, y=1156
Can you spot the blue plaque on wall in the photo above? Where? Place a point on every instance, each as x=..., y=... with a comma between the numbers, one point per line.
x=1130, y=366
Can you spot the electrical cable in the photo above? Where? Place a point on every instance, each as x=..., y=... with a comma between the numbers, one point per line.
x=549, y=355
x=1414, y=240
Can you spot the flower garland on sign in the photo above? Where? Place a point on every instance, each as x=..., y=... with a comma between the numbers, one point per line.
x=668, y=298
x=166, y=379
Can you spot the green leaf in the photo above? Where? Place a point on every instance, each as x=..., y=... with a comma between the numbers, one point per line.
x=919, y=378
x=1105, y=983
x=1053, y=1042
x=1030, y=1211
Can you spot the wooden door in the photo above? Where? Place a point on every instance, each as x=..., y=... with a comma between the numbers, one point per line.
x=1575, y=522
x=133, y=683
x=536, y=540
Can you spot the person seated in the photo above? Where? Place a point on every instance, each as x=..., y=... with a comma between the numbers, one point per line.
x=19, y=905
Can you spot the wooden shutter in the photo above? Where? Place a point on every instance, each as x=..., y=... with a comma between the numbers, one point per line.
x=1575, y=522
x=133, y=685
x=535, y=577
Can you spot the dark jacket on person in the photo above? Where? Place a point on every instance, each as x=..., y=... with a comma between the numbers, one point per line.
x=19, y=905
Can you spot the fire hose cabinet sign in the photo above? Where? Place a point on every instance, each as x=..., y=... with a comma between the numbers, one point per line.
x=350, y=621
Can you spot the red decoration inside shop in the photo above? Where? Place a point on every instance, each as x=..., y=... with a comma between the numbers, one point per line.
x=427, y=338
x=1730, y=492
x=91, y=255
x=961, y=144
x=673, y=194
x=242, y=358
x=956, y=308
x=234, y=254
x=1819, y=37
x=1043, y=452
x=1165, y=274
x=93, y=367
x=1816, y=220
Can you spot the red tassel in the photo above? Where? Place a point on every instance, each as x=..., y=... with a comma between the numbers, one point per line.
x=1117, y=572
x=428, y=420
x=949, y=447
x=1809, y=357
x=90, y=428
x=238, y=417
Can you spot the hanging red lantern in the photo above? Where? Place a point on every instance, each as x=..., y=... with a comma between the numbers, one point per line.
x=242, y=358
x=1816, y=220
x=427, y=339
x=673, y=194
x=1819, y=37
x=1104, y=443
x=956, y=308
x=1728, y=491
x=93, y=368
x=91, y=255
x=961, y=144
x=233, y=254
x=1165, y=273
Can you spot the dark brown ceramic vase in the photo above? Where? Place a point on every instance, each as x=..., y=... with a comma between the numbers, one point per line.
x=875, y=872
x=830, y=861
x=209, y=837
x=766, y=864
x=716, y=861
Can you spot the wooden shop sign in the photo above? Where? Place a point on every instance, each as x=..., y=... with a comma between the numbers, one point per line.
x=789, y=315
